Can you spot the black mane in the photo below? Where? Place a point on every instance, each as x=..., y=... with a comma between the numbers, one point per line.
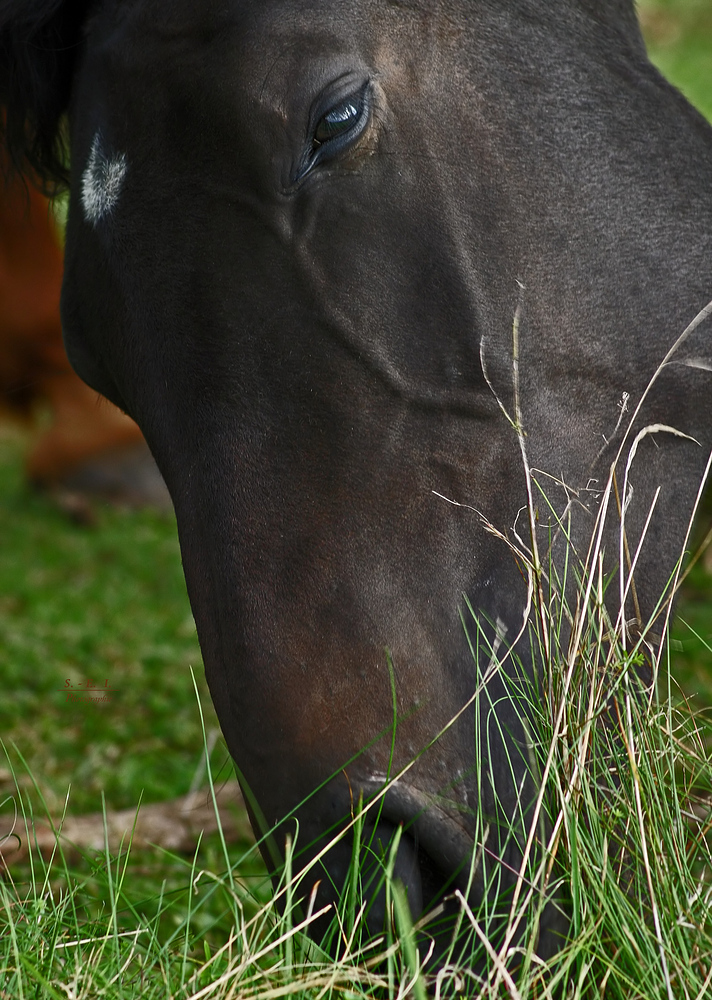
x=39, y=44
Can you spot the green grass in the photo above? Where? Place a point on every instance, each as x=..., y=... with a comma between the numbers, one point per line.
x=679, y=38
x=107, y=605
x=678, y=33
x=627, y=785
x=102, y=604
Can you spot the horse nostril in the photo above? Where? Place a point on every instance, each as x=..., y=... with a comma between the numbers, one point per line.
x=376, y=859
x=429, y=888
x=433, y=881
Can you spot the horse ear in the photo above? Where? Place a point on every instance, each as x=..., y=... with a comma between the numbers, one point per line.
x=40, y=41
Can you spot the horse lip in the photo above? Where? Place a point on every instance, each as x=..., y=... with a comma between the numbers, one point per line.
x=435, y=830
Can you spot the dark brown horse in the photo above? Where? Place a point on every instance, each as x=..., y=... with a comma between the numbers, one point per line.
x=299, y=233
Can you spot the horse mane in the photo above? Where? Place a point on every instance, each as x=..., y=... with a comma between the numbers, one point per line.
x=40, y=41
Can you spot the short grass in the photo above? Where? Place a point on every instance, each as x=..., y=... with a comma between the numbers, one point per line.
x=105, y=605
x=636, y=851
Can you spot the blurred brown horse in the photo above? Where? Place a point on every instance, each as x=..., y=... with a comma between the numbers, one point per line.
x=90, y=446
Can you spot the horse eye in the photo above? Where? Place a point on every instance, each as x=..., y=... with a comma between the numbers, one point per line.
x=338, y=120
x=335, y=131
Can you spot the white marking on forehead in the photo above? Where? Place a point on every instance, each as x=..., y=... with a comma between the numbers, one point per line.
x=101, y=182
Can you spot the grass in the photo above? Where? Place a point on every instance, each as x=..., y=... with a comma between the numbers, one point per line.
x=108, y=604
x=678, y=34
x=105, y=604
x=627, y=804
x=679, y=38
x=637, y=849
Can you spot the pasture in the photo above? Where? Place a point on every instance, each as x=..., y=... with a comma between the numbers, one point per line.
x=105, y=606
